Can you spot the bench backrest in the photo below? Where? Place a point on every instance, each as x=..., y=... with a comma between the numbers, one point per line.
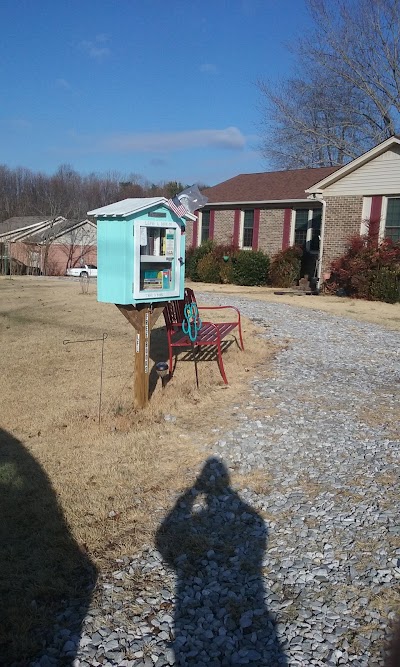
x=174, y=311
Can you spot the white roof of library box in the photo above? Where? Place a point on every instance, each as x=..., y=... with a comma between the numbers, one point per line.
x=126, y=207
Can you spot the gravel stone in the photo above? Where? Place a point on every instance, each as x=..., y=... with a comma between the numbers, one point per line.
x=296, y=554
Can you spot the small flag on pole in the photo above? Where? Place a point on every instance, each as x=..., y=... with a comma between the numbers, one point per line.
x=176, y=206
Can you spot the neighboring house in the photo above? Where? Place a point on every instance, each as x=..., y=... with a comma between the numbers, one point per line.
x=318, y=209
x=34, y=245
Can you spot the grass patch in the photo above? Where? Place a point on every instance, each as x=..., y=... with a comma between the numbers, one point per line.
x=257, y=480
x=74, y=496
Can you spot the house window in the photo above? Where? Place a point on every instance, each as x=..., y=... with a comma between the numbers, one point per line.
x=248, y=229
x=392, y=228
x=205, y=226
x=300, y=227
x=307, y=229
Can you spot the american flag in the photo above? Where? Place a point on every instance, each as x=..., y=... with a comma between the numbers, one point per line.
x=177, y=207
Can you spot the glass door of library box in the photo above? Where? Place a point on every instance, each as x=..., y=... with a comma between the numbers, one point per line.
x=158, y=263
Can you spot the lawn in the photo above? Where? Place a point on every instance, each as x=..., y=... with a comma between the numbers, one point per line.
x=76, y=495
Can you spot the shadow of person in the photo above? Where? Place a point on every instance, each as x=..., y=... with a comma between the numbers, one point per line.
x=46, y=580
x=215, y=542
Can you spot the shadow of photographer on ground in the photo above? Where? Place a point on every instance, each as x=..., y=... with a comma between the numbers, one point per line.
x=46, y=580
x=215, y=542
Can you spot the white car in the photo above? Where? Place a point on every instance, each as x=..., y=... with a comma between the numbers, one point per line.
x=83, y=271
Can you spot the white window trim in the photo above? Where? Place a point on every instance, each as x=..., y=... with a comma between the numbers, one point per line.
x=199, y=226
x=365, y=215
x=241, y=231
x=382, y=226
x=382, y=222
x=309, y=233
x=292, y=226
x=309, y=229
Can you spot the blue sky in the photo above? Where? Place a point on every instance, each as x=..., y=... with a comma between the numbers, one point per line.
x=164, y=89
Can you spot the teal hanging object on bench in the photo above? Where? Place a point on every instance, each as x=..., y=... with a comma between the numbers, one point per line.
x=191, y=326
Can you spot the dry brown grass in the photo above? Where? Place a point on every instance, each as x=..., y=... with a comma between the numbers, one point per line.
x=109, y=479
x=385, y=416
x=259, y=481
x=73, y=493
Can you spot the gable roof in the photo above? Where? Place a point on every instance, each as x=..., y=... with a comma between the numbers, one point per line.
x=54, y=232
x=20, y=222
x=269, y=186
x=329, y=179
x=46, y=230
x=21, y=226
x=127, y=207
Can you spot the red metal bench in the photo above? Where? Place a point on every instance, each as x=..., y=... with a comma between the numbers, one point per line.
x=210, y=333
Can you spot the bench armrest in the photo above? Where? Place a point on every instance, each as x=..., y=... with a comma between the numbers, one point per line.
x=220, y=308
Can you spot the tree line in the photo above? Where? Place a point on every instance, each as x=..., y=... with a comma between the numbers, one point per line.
x=68, y=193
x=344, y=96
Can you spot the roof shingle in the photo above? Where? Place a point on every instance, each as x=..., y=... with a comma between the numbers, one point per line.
x=267, y=186
x=19, y=222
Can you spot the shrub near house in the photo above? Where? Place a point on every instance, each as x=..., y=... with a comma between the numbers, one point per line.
x=226, y=264
x=285, y=267
x=367, y=270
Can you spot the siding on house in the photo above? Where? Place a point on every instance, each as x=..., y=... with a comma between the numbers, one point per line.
x=54, y=259
x=342, y=220
x=270, y=228
x=223, y=226
x=58, y=258
x=84, y=235
x=270, y=232
x=379, y=176
x=189, y=233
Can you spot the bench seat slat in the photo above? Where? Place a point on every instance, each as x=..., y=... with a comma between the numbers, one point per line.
x=206, y=335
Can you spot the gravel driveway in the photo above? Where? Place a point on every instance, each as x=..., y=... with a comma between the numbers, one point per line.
x=305, y=569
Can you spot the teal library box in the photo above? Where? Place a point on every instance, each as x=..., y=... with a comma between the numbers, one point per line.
x=140, y=251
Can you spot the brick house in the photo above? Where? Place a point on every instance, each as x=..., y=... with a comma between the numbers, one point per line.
x=33, y=245
x=316, y=208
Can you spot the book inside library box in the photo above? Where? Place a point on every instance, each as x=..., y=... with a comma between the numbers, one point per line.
x=157, y=252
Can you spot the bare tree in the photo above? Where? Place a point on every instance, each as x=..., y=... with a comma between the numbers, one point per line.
x=346, y=97
x=68, y=193
x=76, y=244
x=307, y=126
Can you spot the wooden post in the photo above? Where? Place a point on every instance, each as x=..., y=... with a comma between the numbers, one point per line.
x=142, y=319
x=142, y=351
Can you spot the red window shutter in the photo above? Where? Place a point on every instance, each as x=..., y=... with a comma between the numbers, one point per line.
x=375, y=218
x=256, y=228
x=195, y=230
x=287, y=219
x=236, y=227
x=212, y=224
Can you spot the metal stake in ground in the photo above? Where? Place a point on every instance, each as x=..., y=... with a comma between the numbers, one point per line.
x=94, y=340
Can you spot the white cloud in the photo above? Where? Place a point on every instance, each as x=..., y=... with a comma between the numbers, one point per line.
x=95, y=48
x=208, y=68
x=102, y=37
x=64, y=84
x=229, y=138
